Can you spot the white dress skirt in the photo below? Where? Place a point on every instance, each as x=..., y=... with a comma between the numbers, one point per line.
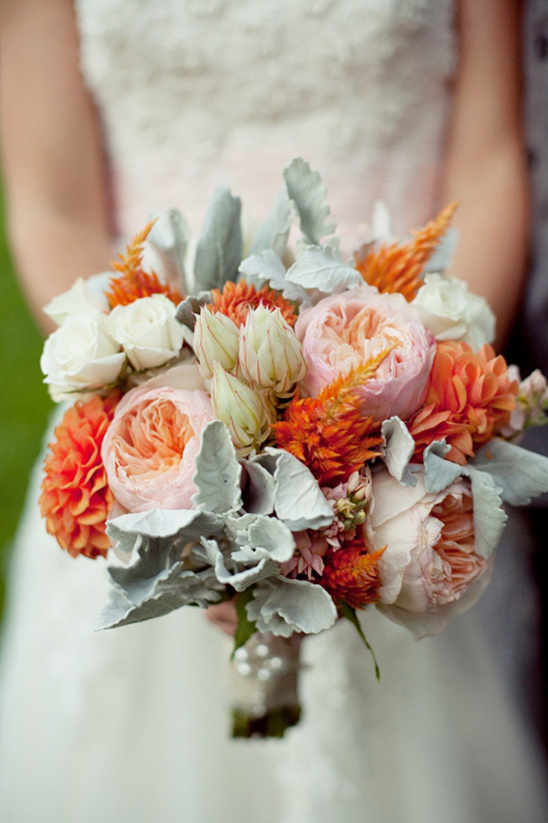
x=131, y=725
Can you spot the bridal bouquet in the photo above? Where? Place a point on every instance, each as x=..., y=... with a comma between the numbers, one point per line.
x=302, y=435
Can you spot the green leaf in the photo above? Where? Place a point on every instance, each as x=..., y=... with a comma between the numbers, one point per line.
x=350, y=614
x=246, y=627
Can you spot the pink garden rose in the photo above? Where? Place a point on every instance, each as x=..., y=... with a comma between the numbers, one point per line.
x=429, y=569
x=346, y=329
x=150, y=446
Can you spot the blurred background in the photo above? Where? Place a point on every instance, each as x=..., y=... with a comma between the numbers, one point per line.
x=24, y=402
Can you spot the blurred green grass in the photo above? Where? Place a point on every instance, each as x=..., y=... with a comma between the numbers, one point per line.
x=24, y=402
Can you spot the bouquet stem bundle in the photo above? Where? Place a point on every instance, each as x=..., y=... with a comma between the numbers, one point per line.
x=264, y=686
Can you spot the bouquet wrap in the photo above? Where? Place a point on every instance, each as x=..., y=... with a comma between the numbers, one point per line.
x=265, y=686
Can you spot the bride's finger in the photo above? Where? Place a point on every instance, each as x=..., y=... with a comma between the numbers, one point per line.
x=223, y=615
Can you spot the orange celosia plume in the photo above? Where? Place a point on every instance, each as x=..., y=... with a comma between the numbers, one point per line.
x=75, y=496
x=329, y=433
x=398, y=268
x=134, y=283
x=236, y=300
x=351, y=574
x=470, y=396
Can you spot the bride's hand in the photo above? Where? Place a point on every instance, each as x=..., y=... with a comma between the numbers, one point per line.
x=223, y=615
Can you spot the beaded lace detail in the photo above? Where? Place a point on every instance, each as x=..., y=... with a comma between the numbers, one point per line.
x=199, y=93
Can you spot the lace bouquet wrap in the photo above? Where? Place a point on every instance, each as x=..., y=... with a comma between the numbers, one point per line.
x=301, y=434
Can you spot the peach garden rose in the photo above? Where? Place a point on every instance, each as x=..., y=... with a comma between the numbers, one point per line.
x=346, y=329
x=429, y=569
x=150, y=446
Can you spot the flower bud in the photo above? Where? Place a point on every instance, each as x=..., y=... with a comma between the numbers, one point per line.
x=271, y=355
x=354, y=482
x=533, y=390
x=247, y=413
x=215, y=339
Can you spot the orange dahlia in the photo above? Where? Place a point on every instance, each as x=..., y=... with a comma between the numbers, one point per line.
x=236, y=300
x=398, y=267
x=75, y=496
x=132, y=282
x=351, y=574
x=470, y=396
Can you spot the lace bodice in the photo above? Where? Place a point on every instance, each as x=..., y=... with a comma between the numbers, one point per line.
x=200, y=93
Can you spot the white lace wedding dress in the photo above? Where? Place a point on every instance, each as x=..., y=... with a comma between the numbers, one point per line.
x=130, y=726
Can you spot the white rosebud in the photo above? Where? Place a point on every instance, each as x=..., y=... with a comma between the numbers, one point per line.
x=452, y=312
x=80, y=356
x=147, y=330
x=83, y=299
x=533, y=390
x=271, y=355
x=215, y=340
x=247, y=413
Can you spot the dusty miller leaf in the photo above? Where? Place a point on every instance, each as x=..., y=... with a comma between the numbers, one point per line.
x=218, y=472
x=489, y=516
x=274, y=232
x=171, y=590
x=520, y=473
x=284, y=606
x=259, y=537
x=305, y=189
x=299, y=501
x=259, y=494
x=268, y=267
x=169, y=238
x=190, y=307
x=399, y=448
x=321, y=268
x=230, y=573
x=438, y=472
x=168, y=526
x=219, y=251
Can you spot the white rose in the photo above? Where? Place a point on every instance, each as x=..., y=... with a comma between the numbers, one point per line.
x=80, y=356
x=147, y=331
x=451, y=312
x=84, y=299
